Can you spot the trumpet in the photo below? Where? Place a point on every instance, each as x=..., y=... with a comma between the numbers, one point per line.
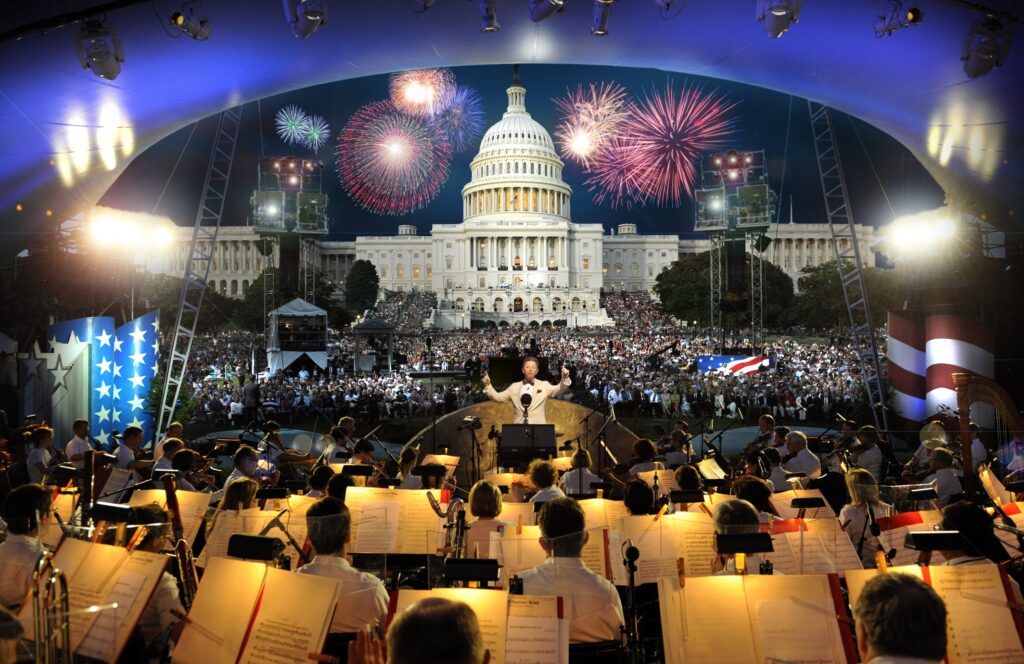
x=50, y=610
x=186, y=572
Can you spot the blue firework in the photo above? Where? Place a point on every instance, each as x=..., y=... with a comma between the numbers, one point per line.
x=462, y=120
x=317, y=132
x=291, y=124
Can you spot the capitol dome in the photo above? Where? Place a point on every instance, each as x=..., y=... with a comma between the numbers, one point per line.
x=517, y=169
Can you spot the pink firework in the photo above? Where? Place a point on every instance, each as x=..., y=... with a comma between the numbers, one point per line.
x=422, y=91
x=390, y=162
x=612, y=178
x=666, y=134
x=590, y=118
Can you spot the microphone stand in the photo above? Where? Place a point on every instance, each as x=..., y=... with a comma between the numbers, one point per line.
x=599, y=438
x=630, y=555
x=276, y=523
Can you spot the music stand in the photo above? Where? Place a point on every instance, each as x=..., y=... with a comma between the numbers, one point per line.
x=525, y=442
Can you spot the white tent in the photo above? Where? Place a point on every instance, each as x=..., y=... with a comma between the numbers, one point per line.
x=281, y=350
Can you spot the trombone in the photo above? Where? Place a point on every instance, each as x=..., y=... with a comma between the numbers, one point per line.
x=50, y=610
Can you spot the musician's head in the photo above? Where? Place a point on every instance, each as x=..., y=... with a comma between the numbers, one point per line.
x=765, y=423
x=581, y=459
x=172, y=446
x=563, y=528
x=436, y=631
x=780, y=435
x=174, y=430
x=678, y=438
x=433, y=475
x=772, y=456
x=348, y=424
x=975, y=527
x=899, y=615
x=364, y=450
x=644, y=449
x=689, y=479
x=132, y=437
x=796, y=441
x=485, y=500
x=868, y=436
x=337, y=485
x=246, y=460
x=319, y=478
x=735, y=516
x=940, y=458
x=755, y=491
x=531, y=366
x=849, y=427
x=339, y=434
x=407, y=457
x=26, y=508
x=330, y=526
x=41, y=437
x=542, y=473
x=80, y=428
x=157, y=525
x=638, y=498
x=863, y=488
x=240, y=495
x=185, y=460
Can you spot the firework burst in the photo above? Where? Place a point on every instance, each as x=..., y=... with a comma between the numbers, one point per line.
x=316, y=132
x=462, y=120
x=666, y=134
x=612, y=178
x=590, y=118
x=291, y=124
x=422, y=91
x=390, y=162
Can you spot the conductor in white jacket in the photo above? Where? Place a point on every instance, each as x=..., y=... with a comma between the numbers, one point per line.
x=539, y=391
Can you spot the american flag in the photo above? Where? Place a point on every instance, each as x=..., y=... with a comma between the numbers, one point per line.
x=735, y=364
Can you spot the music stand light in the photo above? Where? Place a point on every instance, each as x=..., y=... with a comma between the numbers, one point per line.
x=272, y=493
x=753, y=542
x=61, y=475
x=936, y=540
x=481, y=570
x=255, y=547
x=686, y=496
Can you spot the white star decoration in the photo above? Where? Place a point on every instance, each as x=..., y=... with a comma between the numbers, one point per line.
x=136, y=423
x=156, y=369
x=136, y=402
x=104, y=366
x=104, y=338
x=60, y=374
x=103, y=437
x=103, y=414
x=118, y=343
x=115, y=415
x=138, y=335
x=138, y=358
x=117, y=393
x=136, y=380
x=156, y=324
x=103, y=389
x=117, y=370
x=156, y=347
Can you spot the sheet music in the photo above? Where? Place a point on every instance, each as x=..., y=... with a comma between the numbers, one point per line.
x=781, y=502
x=510, y=513
x=229, y=523
x=710, y=469
x=603, y=513
x=101, y=639
x=656, y=543
x=595, y=552
x=700, y=619
x=534, y=634
x=118, y=480
x=666, y=480
x=895, y=529
x=821, y=548
x=980, y=624
x=516, y=551
x=192, y=504
x=695, y=541
x=994, y=487
x=293, y=618
x=793, y=619
x=490, y=607
x=392, y=521
x=856, y=578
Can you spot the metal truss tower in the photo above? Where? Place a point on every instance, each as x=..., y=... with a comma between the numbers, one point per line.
x=200, y=257
x=847, y=252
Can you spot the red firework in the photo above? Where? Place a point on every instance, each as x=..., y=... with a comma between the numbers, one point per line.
x=422, y=91
x=590, y=118
x=662, y=140
x=389, y=162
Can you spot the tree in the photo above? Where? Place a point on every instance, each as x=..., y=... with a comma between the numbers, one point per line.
x=821, y=304
x=685, y=292
x=361, y=286
x=251, y=314
x=163, y=292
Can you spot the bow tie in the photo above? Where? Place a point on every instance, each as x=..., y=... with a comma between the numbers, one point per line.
x=527, y=382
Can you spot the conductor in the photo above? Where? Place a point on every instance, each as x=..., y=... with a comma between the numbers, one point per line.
x=529, y=396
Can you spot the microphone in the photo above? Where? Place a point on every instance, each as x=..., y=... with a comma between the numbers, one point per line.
x=275, y=522
x=526, y=400
x=873, y=526
x=840, y=418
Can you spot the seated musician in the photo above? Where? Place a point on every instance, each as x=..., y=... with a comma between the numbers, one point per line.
x=128, y=451
x=802, y=460
x=337, y=485
x=900, y=618
x=592, y=603
x=579, y=479
x=174, y=430
x=543, y=476
x=40, y=453
x=363, y=601
x=26, y=510
x=688, y=478
x=638, y=498
x=183, y=462
x=239, y=495
x=318, y=480
x=247, y=465
x=431, y=631
x=947, y=484
x=776, y=475
x=363, y=453
x=644, y=450
x=779, y=434
x=407, y=460
x=757, y=492
x=853, y=518
x=765, y=426
x=976, y=528
x=730, y=517
x=171, y=448
x=868, y=454
x=485, y=506
x=680, y=448
x=157, y=616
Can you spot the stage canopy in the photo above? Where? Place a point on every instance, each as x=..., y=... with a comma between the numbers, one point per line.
x=298, y=328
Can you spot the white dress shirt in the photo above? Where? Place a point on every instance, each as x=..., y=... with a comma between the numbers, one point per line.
x=157, y=617
x=871, y=461
x=363, y=601
x=947, y=484
x=544, y=495
x=805, y=461
x=578, y=481
x=778, y=479
x=36, y=456
x=163, y=463
x=644, y=467
x=77, y=446
x=591, y=603
x=18, y=556
x=411, y=481
x=854, y=518
x=125, y=456
x=978, y=453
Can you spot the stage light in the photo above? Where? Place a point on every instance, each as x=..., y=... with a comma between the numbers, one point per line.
x=986, y=45
x=271, y=210
x=778, y=15
x=545, y=9
x=19, y=207
x=198, y=29
x=489, y=15
x=163, y=236
x=99, y=48
x=420, y=6
x=602, y=12
x=305, y=16
x=716, y=204
x=293, y=180
x=897, y=19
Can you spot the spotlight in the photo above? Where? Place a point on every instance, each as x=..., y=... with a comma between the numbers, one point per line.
x=196, y=29
x=986, y=45
x=778, y=15
x=897, y=18
x=305, y=16
x=99, y=48
x=602, y=12
x=420, y=6
x=544, y=9
x=489, y=15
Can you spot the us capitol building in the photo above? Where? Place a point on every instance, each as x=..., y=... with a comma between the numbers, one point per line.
x=517, y=256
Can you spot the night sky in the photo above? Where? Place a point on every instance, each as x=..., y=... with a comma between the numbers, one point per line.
x=761, y=121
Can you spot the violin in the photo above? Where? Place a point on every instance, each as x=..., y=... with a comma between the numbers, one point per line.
x=759, y=441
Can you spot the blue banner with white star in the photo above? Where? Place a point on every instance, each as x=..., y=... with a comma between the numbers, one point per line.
x=136, y=354
x=80, y=363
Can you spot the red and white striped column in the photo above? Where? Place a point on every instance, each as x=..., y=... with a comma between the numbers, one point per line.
x=963, y=345
x=907, y=376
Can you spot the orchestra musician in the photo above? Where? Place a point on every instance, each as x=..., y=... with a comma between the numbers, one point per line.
x=765, y=432
x=431, y=631
x=159, y=614
x=485, y=505
x=540, y=391
x=174, y=430
x=129, y=451
x=76, y=447
x=947, y=484
x=776, y=474
x=867, y=453
x=544, y=478
x=407, y=461
x=853, y=517
x=41, y=454
x=578, y=480
x=638, y=498
x=800, y=459
x=363, y=601
x=318, y=480
x=900, y=618
x=248, y=465
x=193, y=471
x=680, y=447
x=26, y=510
x=171, y=448
x=730, y=517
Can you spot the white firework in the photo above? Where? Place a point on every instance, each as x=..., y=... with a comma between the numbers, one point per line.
x=317, y=132
x=291, y=124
